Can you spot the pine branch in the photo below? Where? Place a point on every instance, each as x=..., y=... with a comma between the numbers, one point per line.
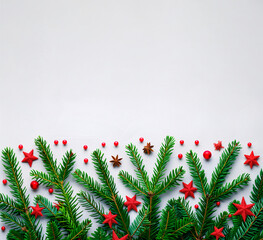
x=139, y=225
x=49, y=210
x=197, y=173
x=9, y=205
x=15, y=235
x=224, y=166
x=12, y=221
x=132, y=183
x=53, y=232
x=171, y=180
x=100, y=234
x=162, y=160
x=80, y=231
x=43, y=178
x=230, y=188
x=66, y=167
x=137, y=161
x=257, y=192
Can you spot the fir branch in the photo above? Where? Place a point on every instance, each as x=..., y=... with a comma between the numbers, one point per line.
x=15, y=235
x=137, y=161
x=43, y=178
x=100, y=234
x=90, y=184
x=9, y=205
x=162, y=160
x=49, y=210
x=132, y=183
x=139, y=224
x=171, y=180
x=224, y=166
x=66, y=167
x=230, y=188
x=257, y=192
x=12, y=221
x=53, y=232
x=197, y=173
x=80, y=231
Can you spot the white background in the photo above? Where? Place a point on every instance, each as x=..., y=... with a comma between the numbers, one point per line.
x=93, y=71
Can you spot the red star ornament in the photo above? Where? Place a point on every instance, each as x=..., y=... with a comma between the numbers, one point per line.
x=251, y=160
x=110, y=219
x=188, y=190
x=132, y=203
x=29, y=157
x=218, y=145
x=115, y=237
x=37, y=211
x=218, y=233
x=243, y=209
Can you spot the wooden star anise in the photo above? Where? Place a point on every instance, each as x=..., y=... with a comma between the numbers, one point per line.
x=148, y=148
x=116, y=161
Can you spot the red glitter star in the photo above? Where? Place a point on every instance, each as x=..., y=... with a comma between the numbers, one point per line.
x=37, y=211
x=188, y=190
x=218, y=233
x=110, y=219
x=132, y=203
x=251, y=160
x=115, y=237
x=243, y=209
x=218, y=145
x=29, y=157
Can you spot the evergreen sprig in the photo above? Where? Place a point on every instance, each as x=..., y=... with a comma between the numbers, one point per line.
x=68, y=215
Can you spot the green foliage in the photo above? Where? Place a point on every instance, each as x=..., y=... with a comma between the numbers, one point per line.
x=53, y=232
x=68, y=216
x=257, y=192
x=100, y=234
x=16, y=211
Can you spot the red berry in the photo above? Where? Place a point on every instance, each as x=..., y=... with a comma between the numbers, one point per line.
x=86, y=160
x=56, y=142
x=4, y=181
x=3, y=228
x=20, y=146
x=180, y=155
x=249, y=144
x=196, y=206
x=50, y=190
x=218, y=204
x=230, y=215
x=182, y=142
x=207, y=155
x=196, y=142
x=141, y=139
x=103, y=144
x=116, y=144
x=85, y=147
x=64, y=142
x=34, y=185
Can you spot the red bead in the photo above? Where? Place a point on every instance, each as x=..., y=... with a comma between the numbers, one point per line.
x=196, y=142
x=20, y=146
x=103, y=144
x=196, y=206
x=180, y=155
x=249, y=144
x=56, y=142
x=3, y=228
x=230, y=215
x=50, y=190
x=116, y=144
x=86, y=160
x=182, y=142
x=85, y=147
x=218, y=204
x=34, y=185
x=4, y=181
x=207, y=155
x=64, y=142
x=141, y=139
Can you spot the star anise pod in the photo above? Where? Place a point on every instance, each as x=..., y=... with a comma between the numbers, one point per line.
x=148, y=148
x=116, y=161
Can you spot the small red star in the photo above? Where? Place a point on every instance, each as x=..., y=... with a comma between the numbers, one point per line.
x=132, y=203
x=218, y=233
x=56, y=205
x=115, y=237
x=188, y=190
x=251, y=159
x=110, y=219
x=37, y=211
x=243, y=209
x=29, y=157
x=218, y=145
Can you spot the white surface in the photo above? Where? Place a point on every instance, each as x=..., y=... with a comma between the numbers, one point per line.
x=93, y=71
